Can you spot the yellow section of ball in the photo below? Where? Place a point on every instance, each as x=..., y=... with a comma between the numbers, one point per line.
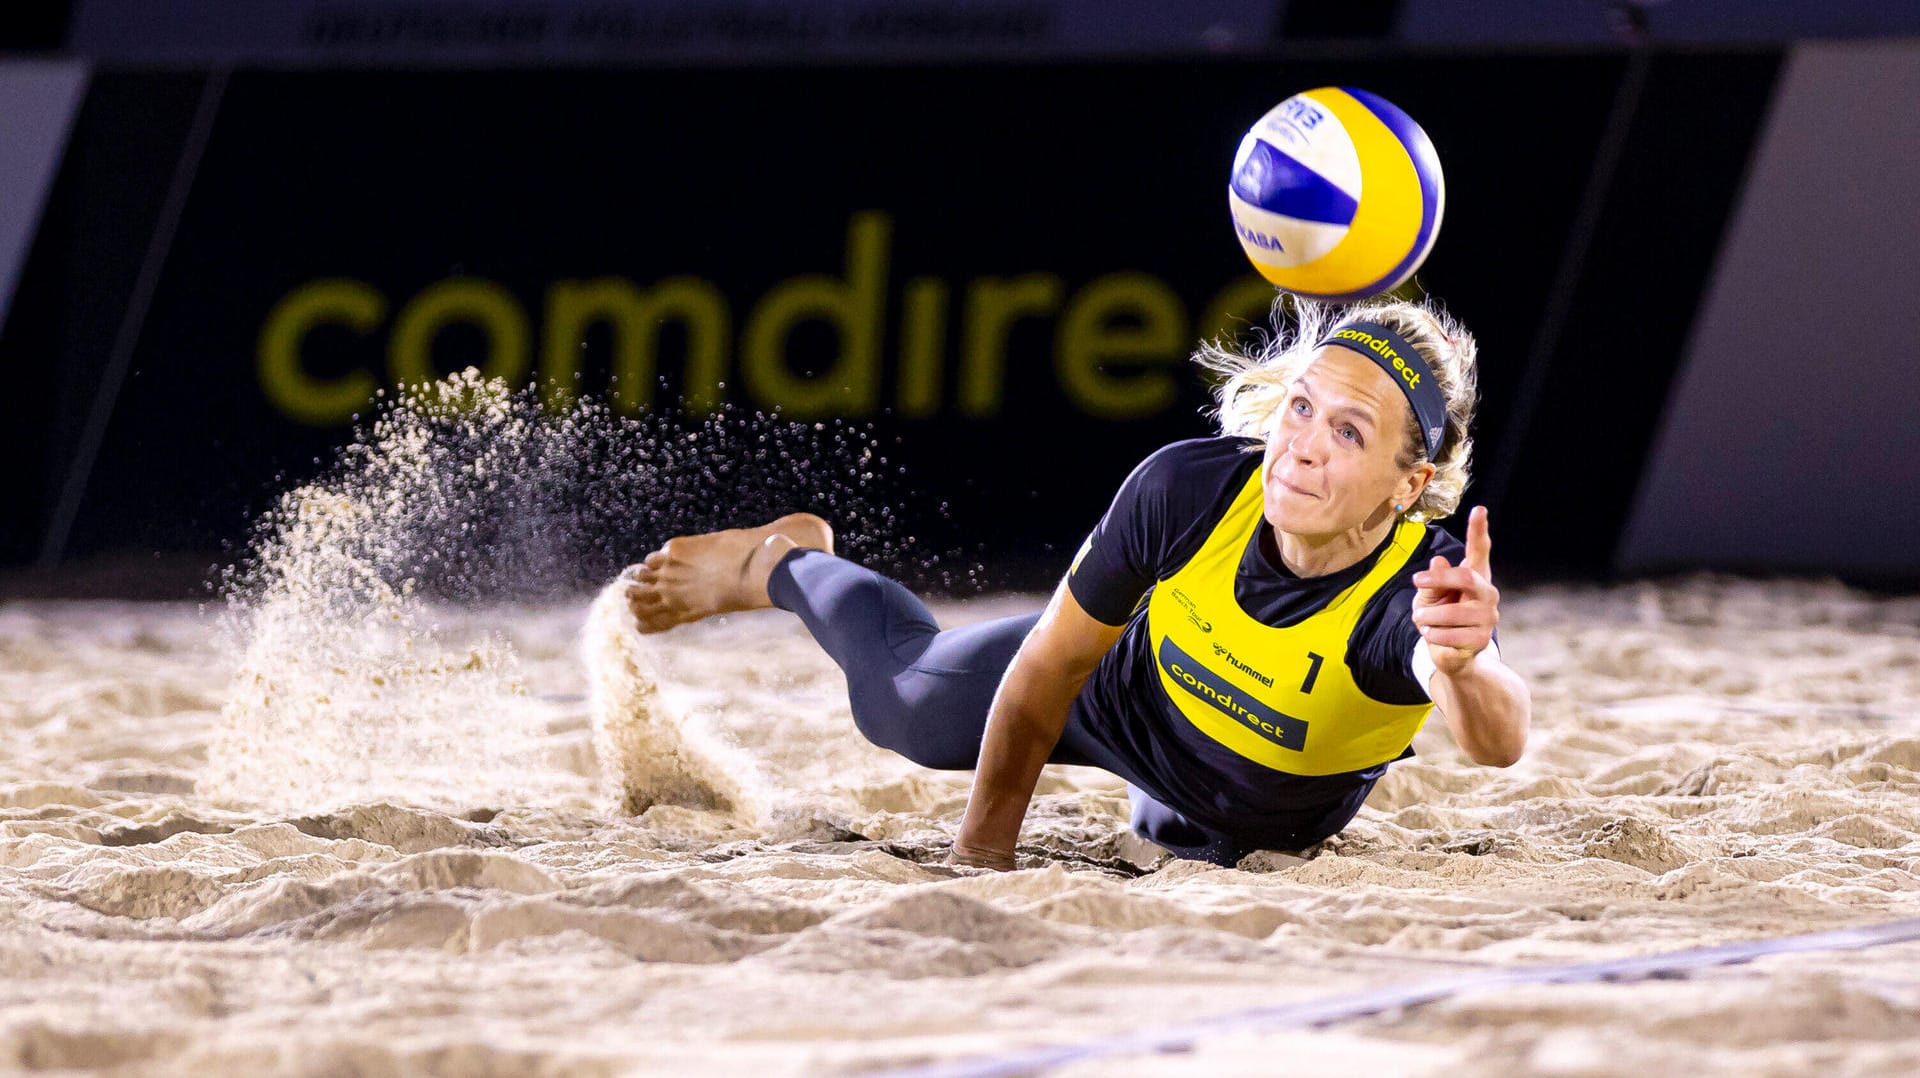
x=1386, y=224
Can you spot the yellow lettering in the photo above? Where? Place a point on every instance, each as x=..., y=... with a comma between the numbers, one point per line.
x=1118, y=338
x=923, y=332
x=852, y=386
x=636, y=319
x=479, y=302
x=319, y=402
x=1380, y=347
x=994, y=304
x=1120, y=317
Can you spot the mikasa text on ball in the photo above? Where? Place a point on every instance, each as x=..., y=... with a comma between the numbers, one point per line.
x=1336, y=194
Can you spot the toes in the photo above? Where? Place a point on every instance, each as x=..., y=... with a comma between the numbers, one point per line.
x=644, y=601
x=657, y=618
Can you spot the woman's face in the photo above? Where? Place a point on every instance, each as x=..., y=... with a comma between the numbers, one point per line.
x=1332, y=449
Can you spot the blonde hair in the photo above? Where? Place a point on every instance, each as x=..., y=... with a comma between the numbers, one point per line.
x=1255, y=381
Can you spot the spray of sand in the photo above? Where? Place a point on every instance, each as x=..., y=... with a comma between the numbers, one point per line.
x=349, y=687
x=369, y=668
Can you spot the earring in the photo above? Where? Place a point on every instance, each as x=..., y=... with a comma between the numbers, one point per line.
x=1397, y=507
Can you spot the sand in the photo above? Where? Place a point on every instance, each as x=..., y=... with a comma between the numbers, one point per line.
x=254, y=857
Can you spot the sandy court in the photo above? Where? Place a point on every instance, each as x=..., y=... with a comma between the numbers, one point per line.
x=400, y=857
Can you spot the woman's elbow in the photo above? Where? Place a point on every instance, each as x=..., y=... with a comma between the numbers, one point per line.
x=1502, y=753
x=1502, y=756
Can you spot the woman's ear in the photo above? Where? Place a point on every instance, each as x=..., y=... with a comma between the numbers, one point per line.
x=1414, y=483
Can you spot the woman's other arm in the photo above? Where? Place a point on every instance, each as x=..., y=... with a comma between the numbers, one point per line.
x=1488, y=708
x=1029, y=712
x=1486, y=703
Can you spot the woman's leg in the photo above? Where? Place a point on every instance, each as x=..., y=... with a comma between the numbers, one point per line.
x=916, y=689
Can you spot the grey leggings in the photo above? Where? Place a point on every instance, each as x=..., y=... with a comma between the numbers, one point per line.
x=924, y=693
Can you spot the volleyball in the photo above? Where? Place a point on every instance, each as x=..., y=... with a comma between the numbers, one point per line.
x=1336, y=194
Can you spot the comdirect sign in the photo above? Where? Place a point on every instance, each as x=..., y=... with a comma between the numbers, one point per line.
x=1118, y=340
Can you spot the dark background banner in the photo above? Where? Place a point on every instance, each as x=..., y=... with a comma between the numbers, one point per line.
x=1001, y=269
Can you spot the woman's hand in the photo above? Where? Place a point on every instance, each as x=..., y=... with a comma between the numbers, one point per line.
x=1029, y=712
x=1457, y=607
x=978, y=857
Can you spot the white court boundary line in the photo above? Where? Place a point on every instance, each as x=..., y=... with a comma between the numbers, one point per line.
x=1375, y=1001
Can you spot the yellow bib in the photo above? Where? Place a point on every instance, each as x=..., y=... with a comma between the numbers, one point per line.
x=1279, y=697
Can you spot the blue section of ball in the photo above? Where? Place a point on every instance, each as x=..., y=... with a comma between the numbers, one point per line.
x=1279, y=184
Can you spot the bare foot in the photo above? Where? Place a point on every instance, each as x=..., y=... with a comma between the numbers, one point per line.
x=698, y=576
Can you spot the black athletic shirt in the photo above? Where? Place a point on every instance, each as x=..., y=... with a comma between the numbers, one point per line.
x=1160, y=518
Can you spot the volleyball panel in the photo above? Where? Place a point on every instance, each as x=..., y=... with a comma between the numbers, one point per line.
x=1267, y=177
x=1276, y=242
x=1383, y=244
x=1313, y=136
x=1426, y=164
x=1295, y=186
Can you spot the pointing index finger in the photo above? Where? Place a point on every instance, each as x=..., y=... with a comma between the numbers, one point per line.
x=1479, y=544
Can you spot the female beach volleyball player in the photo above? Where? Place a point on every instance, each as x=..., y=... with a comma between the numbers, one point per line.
x=1253, y=632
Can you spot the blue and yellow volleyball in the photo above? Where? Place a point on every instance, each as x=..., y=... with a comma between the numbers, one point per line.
x=1336, y=194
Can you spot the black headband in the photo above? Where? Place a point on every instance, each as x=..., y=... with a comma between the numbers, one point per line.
x=1411, y=373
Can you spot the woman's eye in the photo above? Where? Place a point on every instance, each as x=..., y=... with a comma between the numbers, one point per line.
x=1299, y=406
x=1350, y=435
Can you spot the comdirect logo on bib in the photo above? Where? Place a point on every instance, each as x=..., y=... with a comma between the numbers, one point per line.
x=1281, y=729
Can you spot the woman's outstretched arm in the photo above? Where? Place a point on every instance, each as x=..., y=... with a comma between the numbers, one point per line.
x=1487, y=705
x=1029, y=712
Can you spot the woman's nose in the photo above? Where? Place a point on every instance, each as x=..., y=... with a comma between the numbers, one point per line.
x=1305, y=442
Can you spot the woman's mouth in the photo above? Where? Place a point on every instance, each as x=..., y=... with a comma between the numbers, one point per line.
x=1297, y=490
